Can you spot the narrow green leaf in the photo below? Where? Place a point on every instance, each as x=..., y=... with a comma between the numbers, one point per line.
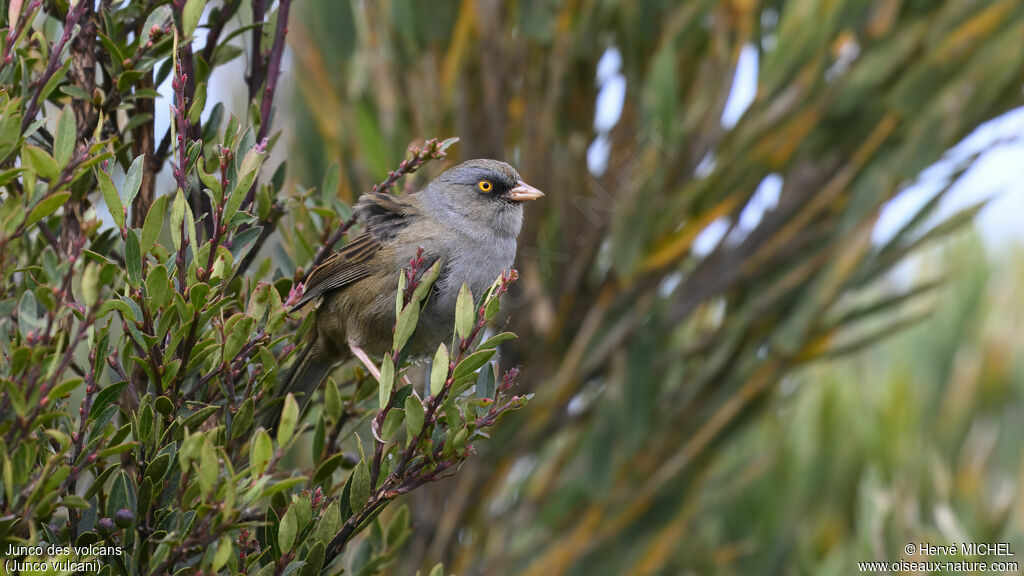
x=91, y=283
x=40, y=162
x=439, y=370
x=406, y=325
x=224, y=551
x=387, y=381
x=64, y=138
x=289, y=418
x=177, y=217
x=153, y=225
x=190, y=16
x=158, y=286
x=48, y=206
x=332, y=400
x=133, y=179
x=190, y=225
x=133, y=258
x=493, y=341
x=246, y=176
x=111, y=197
x=209, y=468
x=287, y=529
x=392, y=423
x=470, y=363
x=260, y=451
x=360, y=486
x=427, y=281
x=464, y=313
x=243, y=419
x=414, y=415
x=314, y=560
x=106, y=397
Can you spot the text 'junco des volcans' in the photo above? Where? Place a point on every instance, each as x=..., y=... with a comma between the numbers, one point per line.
x=469, y=217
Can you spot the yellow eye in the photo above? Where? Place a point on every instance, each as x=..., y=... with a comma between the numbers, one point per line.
x=485, y=185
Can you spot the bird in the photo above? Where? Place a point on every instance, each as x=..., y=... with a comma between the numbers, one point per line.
x=469, y=217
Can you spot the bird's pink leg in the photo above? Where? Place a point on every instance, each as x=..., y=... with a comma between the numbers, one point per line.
x=369, y=364
x=365, y=359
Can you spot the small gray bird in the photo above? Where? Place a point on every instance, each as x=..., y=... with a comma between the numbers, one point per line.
x=469, y=217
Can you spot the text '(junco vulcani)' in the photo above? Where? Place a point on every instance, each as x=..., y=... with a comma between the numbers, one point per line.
x=469, y=217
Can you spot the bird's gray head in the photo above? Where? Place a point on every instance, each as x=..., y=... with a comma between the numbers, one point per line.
x=485, y=193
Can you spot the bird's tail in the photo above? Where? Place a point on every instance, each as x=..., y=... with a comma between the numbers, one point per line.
x=302, y=380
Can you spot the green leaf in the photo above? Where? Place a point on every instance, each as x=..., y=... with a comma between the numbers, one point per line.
x=493, y=341
x=414, y=415
x=64, y=137
x=387, y=381
x=195, y=110
x=392, y=423
x=190, y=16
x=330, y=522
x=196, y=419
x=177, y=217
x=261, y=449
x=133, y=179
x=40, y=162
x=211, y=181
x=106, y=397
x=246, y=176
x=398, y=528
x=289, y=418
x=287, y=530
x=224, y=549
x=470, y=363
x=46, y=207
x=437, y=570
x=243, y=419
x=190, y=225
x=427, y=281
x=164, y=405
x=158, y=467
x=314, y=560
x=439, y=370
x=209, y=468
x=158, y=287
x=332, y=400
x=133, y=258
x=91, y=283
x=319, y=433
x=406, y=324
x=111, y=197
x=465, y=317
x=360, y=486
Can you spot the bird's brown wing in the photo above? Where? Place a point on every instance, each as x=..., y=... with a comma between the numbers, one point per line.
x=381, y=215
x=347, y=265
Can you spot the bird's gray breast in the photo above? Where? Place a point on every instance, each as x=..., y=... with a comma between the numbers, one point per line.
x=478, y=265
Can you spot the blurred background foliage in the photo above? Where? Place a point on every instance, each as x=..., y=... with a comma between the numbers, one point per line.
x=703, y=406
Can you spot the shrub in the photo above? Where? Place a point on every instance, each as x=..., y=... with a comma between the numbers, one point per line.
x=142, y=335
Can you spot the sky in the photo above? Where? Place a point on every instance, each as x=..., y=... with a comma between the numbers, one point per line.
x=997, y=175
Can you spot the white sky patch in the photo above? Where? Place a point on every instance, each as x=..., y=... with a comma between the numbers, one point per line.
x=611, y=96
x=706, y=165
x=997, y=174
x=744, y=86
x=764, y=199
x=709, y=237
